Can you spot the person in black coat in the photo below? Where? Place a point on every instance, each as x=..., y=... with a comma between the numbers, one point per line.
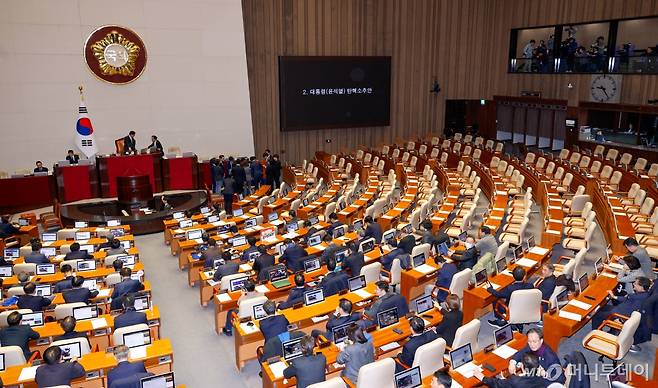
x=226, y=267
x=76, y=253
x=67, y=282
x=79, y=293
x=296, y=295
x=129, y=316
x=506, y=293
x=263, y=261
x=56, y=372
x=16, y=334
x=293, y=257
x=72, y=157
x=273, y=171
x=528, y=378
x=468, y=257
x=212, y=253
x=373, y=230
x=334, y=281
x=272, y=325
x=309, y=368
x=341, y=316
x=36, y=257
x=333, y=219
x=355, y=261
x=129, y=143
x=155, y=144
x=240, y=176
x=547, y=285
x=419, y=337
x=452, y=319
x=546, y=357
x=228, y=191
x=32, y=301
x=68, y=325
x=126, y=286
x=124, y=368
x=385, y=300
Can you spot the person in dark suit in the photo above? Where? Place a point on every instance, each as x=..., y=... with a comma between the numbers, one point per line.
x=226, y=267
x=355, y=261
x=155, y=144
x=67, y=282
x=40, y=167
x=341, y=316
x=55, y=372
x=385, y=300
x=126, y=286
x=624, y=305
x=115, y=248
x=16, y=334
x=212, y=253
x=452, y=319
x=334, y=281
x=372, y=230
x=129, y=143
x=68, y=325
x=124, y=368
x=273, y=171
x=309, y=368
x=527, y=378
x=272, y=325
x=444, y=278
x=251, y=240
x=296, y=294
x=419, y=337
x=441, y=379
x=263, y=262
x=129, y=316
x=228, y=192
x=468, y=257
x=7, y=229
x=79, y=293
x=72, y=157
x=547, y=285
x=32, y=301
x=506, y=293
x=291, y=255
x=330, y=249
x=273, y=347
x=76, y=253
x=36, y=257
x=333, y=218
x=399, y=252
x=548, y=360
x=240, y=176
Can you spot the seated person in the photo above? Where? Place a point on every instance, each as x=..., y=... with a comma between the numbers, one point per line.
x=273, y=348
x=32, y=301
x=17, y=334
x=443, y=279
x=528, y=376
x=355, y=261
x=129, y=316
x=359, y=351
x=226, y=267
x=212, y=253
x=248, y=292
x=251, y=240
x=116, y=248
x=124, y=287
x=124, y=369
x=624, y=305
x=547, y=285
x=468, y=257
x=341, y=316
x=79, y=293
x=334, y=281
x=36, y=257
x=373, y=229
x=401, y=252
x=296, y=295
x=330, y=250
x=452, y=319
x=308, y=369
x=55, y=371
x=428, y=236
x=385, y=300
x=487, y=242
x=68, y=325
x=419, y=337
x=272, y=325
x=334, y=223
x=549, y=362
x=263, y=262
x=40, y=167
x=506, y=293
x=631, y=271
x=76, y=253
x=293, y=217
x=72, y=157
x=441, y=379
x=7, y=229
x=292, y=255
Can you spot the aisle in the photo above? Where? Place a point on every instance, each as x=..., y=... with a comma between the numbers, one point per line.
x=201, y=358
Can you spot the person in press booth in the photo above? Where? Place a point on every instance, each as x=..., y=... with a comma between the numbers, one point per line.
x=72, y=157
x=129, y=143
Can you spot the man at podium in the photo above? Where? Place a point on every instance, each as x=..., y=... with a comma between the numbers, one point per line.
x=129, y=143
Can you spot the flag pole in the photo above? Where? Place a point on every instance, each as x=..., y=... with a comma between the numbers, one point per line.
x=82, y=96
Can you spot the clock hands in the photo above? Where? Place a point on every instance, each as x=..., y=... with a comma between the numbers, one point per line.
x=604, y=90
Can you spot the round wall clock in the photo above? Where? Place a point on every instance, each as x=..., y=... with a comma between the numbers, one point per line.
x=115, y=54
x=605, y=88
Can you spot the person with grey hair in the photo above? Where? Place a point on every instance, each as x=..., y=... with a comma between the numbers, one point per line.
x=124, y=368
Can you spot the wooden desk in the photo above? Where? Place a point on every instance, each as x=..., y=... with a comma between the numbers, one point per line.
x=27, y=193
x=76, y=182
x=111, y=167
x=180, y=173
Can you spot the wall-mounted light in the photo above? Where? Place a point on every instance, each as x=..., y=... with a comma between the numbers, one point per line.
x=570, y=85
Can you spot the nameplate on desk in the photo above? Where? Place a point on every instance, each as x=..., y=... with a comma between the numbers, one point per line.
x=572, y=316
x=363, y=293
x=501, y=192
x=538, y=251
x=262, y=288
x=579, y=304
x=223, y=298
x=504, y=351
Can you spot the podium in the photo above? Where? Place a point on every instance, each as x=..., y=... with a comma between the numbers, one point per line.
x=113, y=166
x=134, y=191
x=76, y=182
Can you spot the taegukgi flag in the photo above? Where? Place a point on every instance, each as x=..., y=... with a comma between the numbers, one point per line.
x=85, y=139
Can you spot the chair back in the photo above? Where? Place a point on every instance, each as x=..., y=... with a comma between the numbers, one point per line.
x=371, y=272
x=625, y=337
x=467, y=334
x=119, y=145
x=525, y=306
x=501, y=251
x=112, y=279
x=226, y=280
x=66, y=234
x=66, y=309
x=564, y=153
x=429, y=357
x=117, y=336
x=335, y=382
x=15, y=291
x=460, y=282
x=29, y=268
x=84, y=344
x=5, y=314
x=553, y=298
x=396, y=272
x=13, y=355
x=246, y=308
x=421, y=248
x=380, y=374
x=109, y=260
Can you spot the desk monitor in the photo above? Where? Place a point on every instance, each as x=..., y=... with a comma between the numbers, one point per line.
x=503, y=335
x=82, y=236
x=118, y=232
x=292, y=227
x=583, y=282
x=501, y=265
x=6, y=271
x=481, y=277
x=33, y=319
x=443, y=249
x=339, y=333
x=204, y=209
x=185, y=224
x=237, y=284
x=518, y=252
x=358, y=225
x=305, y=202
x=388, y=236
x=71, y=350
x=387, y=317
x=177, y=215
x=2, y=362
x=356, y=283
x=461, y=356
x=125, y=244
x=250, y=223
x=409, y=378
x=341, y=254
x=338, y=232
x=48, y=251
x=213, y=218
x=259, y=312
x=292, y=349
x=254, y=255
x=530, y=243
x=48, y=237
x=272, y=216
x=113, y=223
x=165, y=380
x=238, y=212
x=367, y=245
x=314, y=240
x=313, y=220
x=462, y=236
x=618, y=377
x=238, y=241
x=23, y=222
x=127, y=259
x=278, y=272
x=90, y=284
x=142, y=303
x=423, y=303
x=12, y=253
x=81, y=224
x=85, y=265
x=598, y=266
x=43, y=290
x=311, y=265
x=314, y=296
x=137, y=338
x=407, y=229
x=85, y=312
x=194, y=234
x=418, y=260
x=89, y=248
x=562, y=298
x=45, y=269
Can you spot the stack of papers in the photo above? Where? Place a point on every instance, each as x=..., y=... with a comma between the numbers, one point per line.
x=579, y=304
x=425, y=269
x=212, y=282
x=262, y=288
x=225, y=297
x=249, y=329
x=98, y=323
x=538, y=251
x=277, y=369
x=572, y=316
x=290, y=235
x=504, y=352
x=494, y=285
x=28, y=373
x=524, y=262
x=104, y=293
x=468, y=370
x=390, y=346
x=198, y=241
x=320, y=318
x=363, y=293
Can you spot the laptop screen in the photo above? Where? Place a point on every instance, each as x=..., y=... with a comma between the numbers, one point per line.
x=292, y=349
x=142, y=303
x=165, y=380
x=367, y=245
x=313, y=220
x=6, y=271
x=338, y=232
x=213, y=218
x=238, y=212
x=341, y=254
x=503, y=335
x=185, y=224
x=85, y=312
x=501, y=265
x=90, y=284
x=272, y=216
x=259, y=313
x=291, y=227
x=423, y=304
x=461, y=356
x=314, y=296
x=462, y=236
x=113, y=222
x=238, y=241
x=583, y=282
x=45, y=269
x=387, y=317
x=518, y=252
x=530, y=243
x=562, y=297
x=339, y=332
x=481, y=277
x=409, y=378
x=89, y=248
x=71, y=350
x=82, y=235
x=278, y=272
x=23, y=222
x=237, y=284
x=32, y=319
x=137, y=338
x=43, y=290
x=125, y=244
x=47, y=237
x=358, y=225
x=312, y=265
x=86, y=265
x=204, y=209
x=407, y=229
x=250, y=223
x=13, y=253
x=49, y=251
x=118, y=232
x=599, y=266
x=314, y=240
x=356, y=282
x=418, y=260
x=194, y=234
x=127, y=259
x=176, y=215
x=388, y=237
x=81, y=224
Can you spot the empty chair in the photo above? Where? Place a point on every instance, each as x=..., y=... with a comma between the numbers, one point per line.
x=13, y=356
x=435, y=141
x=457, y=136
x=576, y=243
x=575, y=158
x=499, y=147
x=66, y=309
x=371, y=272
x=524, y=307
x=640, y=164
x=478, y=141
x=625, y=159
x=380, y=374
x=489, y=145
x=584, y=162
x=598, y=150
x=564, y=154
x=429, y=357
x=653, y=170
x=609, y=345
x=595, y=168
x=515, y=237
x=468, y=138
x=530, y=158
x=541, y=163
x=84, y=344
x=335, y=382
x=615, y=179
x=434, y=153
x=467, y=334
x=477, y=154
x=612, y=155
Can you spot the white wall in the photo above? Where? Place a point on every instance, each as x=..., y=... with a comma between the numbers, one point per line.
x=193, y=93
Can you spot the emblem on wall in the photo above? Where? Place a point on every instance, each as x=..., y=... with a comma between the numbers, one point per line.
x=115, y=54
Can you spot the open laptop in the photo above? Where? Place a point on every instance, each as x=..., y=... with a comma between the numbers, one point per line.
x=23, y=222
x=111, y=223
x=530, y=243
x=339, y=333
x=82, y=236
x=194, y=234
x=273, y=216
x=127, y=260
x=312, y=265
x=49, y=237
x=85, y=265
x=237, y=284
x=238, y=241
x=423, y=303
x=388, y=237
x=80, y=224
x=165, y=380
x=409, y=378
x=258, y=311
x=292, y=349
x=314, y=240
x=142, y=303
x=85, y=312
x=137, y=338
x=518, y=252
x=418, y=260
x=48, y=251
x=185, y=224
x=503, y=335
x=599, y=266
x=562, y=298
x=238, y=212
x=89, y=248
x=443, y=249
x=583, y=282
x=12, y=253
x=461, y=356
x=367, y=245
x=314, y=296
x=33, y=319
x=177, y=215
x=387, y=317
x=43, y=290
x=356, y=283
x=250, y=223
x=501, y=265
x=71, y=350
x=213, y=218
x=90, y=284
x=462, y=236
x=338, y=232
x=6, y=271
x=481, y=277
